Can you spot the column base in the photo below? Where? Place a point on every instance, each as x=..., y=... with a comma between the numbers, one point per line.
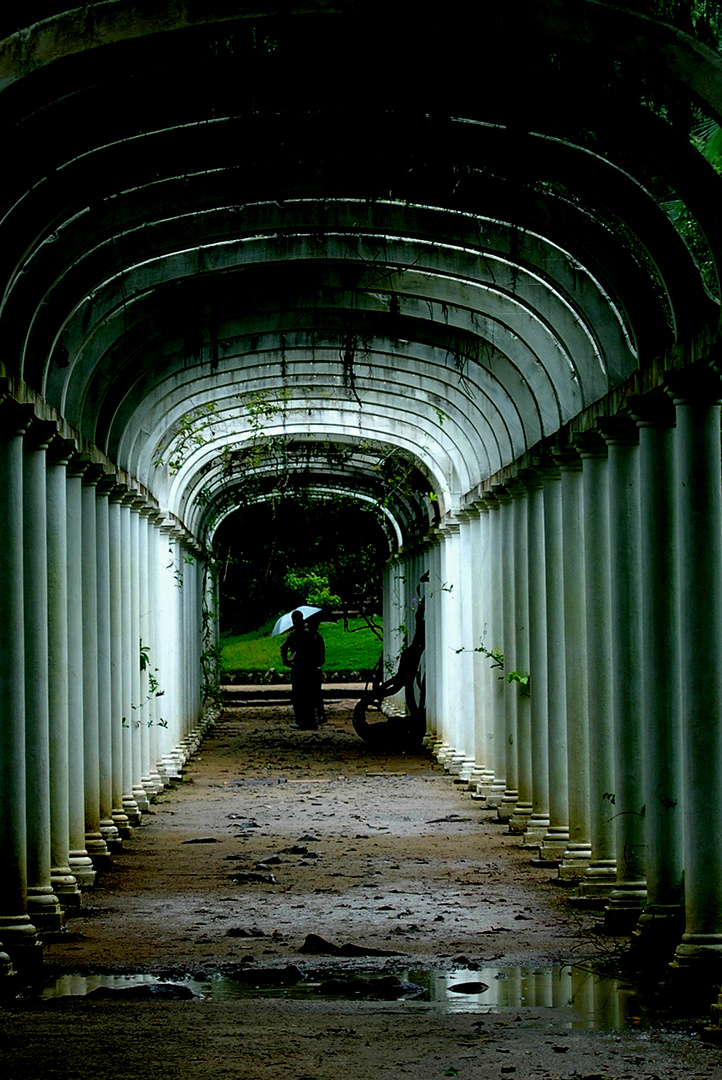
x=157, y=783
x=695, y=952
x=660, y=923
x=507, y=805
x=555, y=843
x=496, y=793
x=625, y=906
x=97, y=849
x=600, y=878
x=131, y=810
x=44, y=910
x=65, y=887
x=8, y=974
x=465, y=771
x=536, y=830
x=173, y=769
x=110, y=834
x=519, y=820
x=443, y=752
x=20, y=942
x=81, y=866
x=575, y=862
x=141, y=798
x=122, y=824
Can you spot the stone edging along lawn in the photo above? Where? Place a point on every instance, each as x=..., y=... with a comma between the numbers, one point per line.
x=256, y=676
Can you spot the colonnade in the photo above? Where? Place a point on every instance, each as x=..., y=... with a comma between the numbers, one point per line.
x=101, y=696
x=575, y=634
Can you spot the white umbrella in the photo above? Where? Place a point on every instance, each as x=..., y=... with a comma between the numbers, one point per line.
x=286, y=621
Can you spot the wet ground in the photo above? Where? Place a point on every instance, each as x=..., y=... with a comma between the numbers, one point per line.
x=321, y=910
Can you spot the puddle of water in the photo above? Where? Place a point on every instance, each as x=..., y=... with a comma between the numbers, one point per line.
x=572, y=997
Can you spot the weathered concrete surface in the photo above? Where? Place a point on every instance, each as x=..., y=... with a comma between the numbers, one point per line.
x=405, y=862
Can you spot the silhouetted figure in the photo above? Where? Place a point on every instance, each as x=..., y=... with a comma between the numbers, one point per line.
x=299, y=652
x=319, y=646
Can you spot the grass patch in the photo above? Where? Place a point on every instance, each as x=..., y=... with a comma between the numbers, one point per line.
x=357, y=649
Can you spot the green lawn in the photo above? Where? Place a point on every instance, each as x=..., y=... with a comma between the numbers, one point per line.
x=356, y=650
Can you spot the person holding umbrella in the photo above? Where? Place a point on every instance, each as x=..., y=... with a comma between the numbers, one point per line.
x=319, y=645
x=300, y=652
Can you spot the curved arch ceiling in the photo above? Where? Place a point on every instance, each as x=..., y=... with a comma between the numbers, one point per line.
x=345, y=236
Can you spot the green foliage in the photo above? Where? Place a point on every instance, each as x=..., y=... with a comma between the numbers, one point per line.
x=266, y=550
x=522, y=678
x=312, y=587
x=495, y=655
x=194, y=430
x=354, y=649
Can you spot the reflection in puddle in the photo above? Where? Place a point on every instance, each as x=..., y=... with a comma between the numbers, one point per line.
x=571, y=996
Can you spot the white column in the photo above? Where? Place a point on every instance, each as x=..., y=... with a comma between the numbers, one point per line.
x=538, y=659
x=146, y=659
x=519, y=820
x=127, y=657
x=81, y=863
x=115, y=593
x=578, y=852
x=396, y=628
x=433, y=686
x=163, y=763
x=600, y=876
x=478, y=516
x=451, y=642
x=108, y=827
x=176, y=638
x=43, y=906
x=170, y=763
x=154, y=631
x=136, y=716
x=556, y=839
x=95, y=843
x=17, y=932
x=630, y=893
x=64, y=881
x=443, y=672
x=511, y=792
x=663, y=916
x=463, y=663
x=494, y=644
x=699, y=487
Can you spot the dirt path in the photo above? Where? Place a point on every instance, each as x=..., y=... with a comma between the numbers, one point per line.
x=275, y=835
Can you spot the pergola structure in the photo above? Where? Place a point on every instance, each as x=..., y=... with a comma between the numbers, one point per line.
x=481, y=245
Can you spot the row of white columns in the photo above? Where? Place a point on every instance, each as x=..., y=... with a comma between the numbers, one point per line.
x=101, y=639
x=599, y=576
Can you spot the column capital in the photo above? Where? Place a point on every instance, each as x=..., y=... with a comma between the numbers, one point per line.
x=533, y=478
x=93, y=474
x=590, y=444
x=118, y=492
x=77, y=465
x=450, y=528
x=61, y=450
x=567, y=458
x=653, y=410
x=701, y=385
x=619, y=430
x=501, y=493
x=16, y=416
x=516, y=487
x=107, y=484
x=39, y=433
